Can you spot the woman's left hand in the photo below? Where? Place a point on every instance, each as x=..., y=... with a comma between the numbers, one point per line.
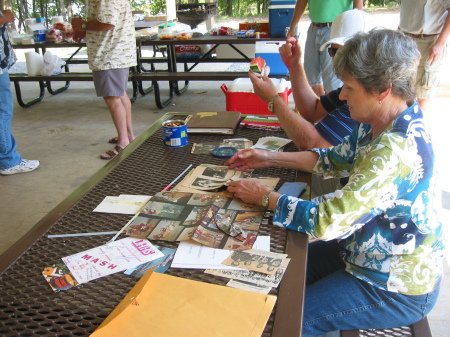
x=249, y=191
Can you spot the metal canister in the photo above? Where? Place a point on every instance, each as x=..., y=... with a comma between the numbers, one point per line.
x=174, y=133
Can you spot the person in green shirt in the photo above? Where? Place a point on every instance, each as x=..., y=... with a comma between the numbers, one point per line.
x=318, y=64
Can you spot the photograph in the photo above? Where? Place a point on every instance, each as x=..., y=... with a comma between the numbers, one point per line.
x=141, y=227
x=163, y=210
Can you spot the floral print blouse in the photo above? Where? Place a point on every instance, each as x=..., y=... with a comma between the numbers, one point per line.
x=116, y=47
x=385, y=219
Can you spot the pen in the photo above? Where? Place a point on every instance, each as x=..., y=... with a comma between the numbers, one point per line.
x=80, y=234
x=173, y=181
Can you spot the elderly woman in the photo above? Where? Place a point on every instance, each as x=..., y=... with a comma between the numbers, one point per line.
x=378, y=260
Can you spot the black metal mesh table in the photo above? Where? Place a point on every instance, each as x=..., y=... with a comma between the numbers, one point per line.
x=30, y=308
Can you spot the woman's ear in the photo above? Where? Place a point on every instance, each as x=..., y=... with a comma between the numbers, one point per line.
x=385, y=93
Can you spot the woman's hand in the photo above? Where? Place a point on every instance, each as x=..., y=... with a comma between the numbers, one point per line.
x=7, y=16
x=249, y=191
x=290, y=52
x=263, y=86
x=249, y=159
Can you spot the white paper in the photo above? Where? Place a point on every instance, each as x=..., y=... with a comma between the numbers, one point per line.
x=123, y=204
x=195, y=256
x=110, y=258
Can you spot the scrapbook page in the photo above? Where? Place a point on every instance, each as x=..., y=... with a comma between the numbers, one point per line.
x=180, y=216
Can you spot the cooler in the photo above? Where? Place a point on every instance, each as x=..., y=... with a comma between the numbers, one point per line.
x=280, y=17
x=240, y=96
x=268, y=50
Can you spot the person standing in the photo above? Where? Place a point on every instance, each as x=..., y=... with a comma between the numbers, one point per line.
x=318, y=65
x=11, y=162
x=428, y=23
x=111, y=46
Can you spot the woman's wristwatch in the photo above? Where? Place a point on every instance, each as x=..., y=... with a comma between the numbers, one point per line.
x=265, y=199
x=272, y=101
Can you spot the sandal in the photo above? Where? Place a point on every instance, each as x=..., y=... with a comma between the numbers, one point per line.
x=111, y=153
x=113, y=140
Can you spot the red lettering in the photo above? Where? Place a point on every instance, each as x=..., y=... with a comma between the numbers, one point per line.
x=86, y=257
x=103, y=263
x=143, y=247
x=188, y=48
x=95, y=260
x=112, y=266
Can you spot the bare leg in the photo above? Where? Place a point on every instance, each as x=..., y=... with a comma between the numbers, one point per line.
x=120, y=109
x=127, y=104
x=318, y=89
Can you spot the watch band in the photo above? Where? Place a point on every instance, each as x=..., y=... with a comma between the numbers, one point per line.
x=272, y=101
x=265, y=199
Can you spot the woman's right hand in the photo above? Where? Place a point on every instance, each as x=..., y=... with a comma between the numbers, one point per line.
x=262, y=86
x=249, y=159
x=290, y=52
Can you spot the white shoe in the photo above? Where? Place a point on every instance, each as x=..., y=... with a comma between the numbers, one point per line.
x=25, y=165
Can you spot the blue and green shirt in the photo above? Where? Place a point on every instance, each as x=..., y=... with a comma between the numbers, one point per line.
x=385, y=218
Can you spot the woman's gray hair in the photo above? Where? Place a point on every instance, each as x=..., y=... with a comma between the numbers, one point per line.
x=379, y=59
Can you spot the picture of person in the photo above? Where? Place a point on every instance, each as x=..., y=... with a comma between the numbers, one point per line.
x=216, y=172
x=207, y=183
x=141, y=227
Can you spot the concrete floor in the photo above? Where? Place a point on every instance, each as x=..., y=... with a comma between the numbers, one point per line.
x=67, y=133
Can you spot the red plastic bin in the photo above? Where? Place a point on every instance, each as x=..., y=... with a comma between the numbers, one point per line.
x=248, y=102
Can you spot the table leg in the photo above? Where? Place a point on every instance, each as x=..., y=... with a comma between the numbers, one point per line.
x=172, y=63
x=33, y=101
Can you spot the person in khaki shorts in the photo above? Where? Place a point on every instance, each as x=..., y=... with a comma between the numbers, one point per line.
x=428, y=23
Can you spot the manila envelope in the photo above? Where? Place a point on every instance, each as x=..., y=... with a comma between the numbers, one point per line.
x=161, y=305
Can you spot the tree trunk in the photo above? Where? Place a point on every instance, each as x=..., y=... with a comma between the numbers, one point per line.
x=69, y=9
x=230, y=7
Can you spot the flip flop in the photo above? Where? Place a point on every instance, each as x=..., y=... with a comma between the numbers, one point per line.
x=111, y=154
x=113, y=140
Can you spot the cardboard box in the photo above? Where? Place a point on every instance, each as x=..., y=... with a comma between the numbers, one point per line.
x=268, y=50
x=256, y=26
x=280, y=17
x=240, y=96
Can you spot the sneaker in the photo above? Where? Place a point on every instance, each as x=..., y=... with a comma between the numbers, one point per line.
x=25, y=165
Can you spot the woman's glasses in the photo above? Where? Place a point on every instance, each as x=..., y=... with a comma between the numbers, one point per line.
x=332, y=51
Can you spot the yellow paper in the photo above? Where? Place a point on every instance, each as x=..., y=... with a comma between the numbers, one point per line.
x=161, y=305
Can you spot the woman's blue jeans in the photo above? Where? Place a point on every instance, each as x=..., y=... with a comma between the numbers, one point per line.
x=9, y=157
x=336, y=300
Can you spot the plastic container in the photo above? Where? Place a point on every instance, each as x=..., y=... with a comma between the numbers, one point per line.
x=184, y=36
x=268, y=50
x=280, y=17
x=39, y=35
x=240, y=96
